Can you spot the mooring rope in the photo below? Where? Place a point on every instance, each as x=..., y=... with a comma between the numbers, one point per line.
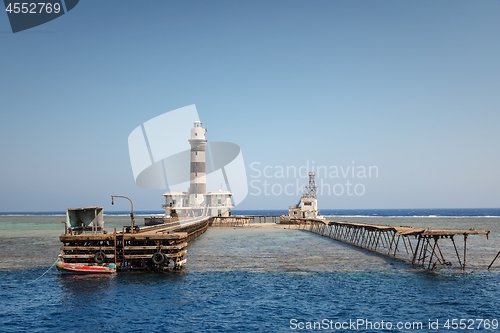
x=38, y=278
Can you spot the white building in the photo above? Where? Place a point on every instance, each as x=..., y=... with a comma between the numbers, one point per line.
x=219, y=203
x=196, y=201
x=307, y=207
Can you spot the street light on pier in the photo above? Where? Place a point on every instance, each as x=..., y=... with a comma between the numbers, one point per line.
x=132, y=222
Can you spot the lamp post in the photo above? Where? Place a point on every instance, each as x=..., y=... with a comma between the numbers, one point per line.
x=131, y=213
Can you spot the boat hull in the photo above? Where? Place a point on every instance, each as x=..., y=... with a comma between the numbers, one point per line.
x=84, y=269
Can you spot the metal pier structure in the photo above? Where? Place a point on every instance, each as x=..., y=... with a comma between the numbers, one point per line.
x=418, y=246
x=163, y=246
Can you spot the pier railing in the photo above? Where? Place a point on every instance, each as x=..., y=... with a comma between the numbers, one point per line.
x=239, y=221
x=264, y=218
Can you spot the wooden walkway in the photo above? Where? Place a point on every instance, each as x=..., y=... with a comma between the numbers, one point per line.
x=240, y=220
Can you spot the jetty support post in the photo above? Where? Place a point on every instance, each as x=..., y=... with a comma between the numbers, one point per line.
x=465, y=250
x=494, y=260
x=456, y=251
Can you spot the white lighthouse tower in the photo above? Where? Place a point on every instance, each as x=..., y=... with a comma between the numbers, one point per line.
x=197, y=177
x=197, y=201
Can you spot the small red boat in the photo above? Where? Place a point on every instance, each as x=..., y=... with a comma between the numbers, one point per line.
x=85, y=269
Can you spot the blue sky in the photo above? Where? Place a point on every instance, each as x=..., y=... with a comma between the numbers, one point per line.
x=411, y=87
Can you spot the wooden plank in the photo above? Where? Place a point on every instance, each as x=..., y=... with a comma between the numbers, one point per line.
x=155, y=236
x=84, y=256
x=148, y=256
x=79, y=238
x=88, y=248
x=408, y=231
x=154, y=247
x=430, y=232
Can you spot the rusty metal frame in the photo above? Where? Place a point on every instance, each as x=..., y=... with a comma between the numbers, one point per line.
x=386, y=240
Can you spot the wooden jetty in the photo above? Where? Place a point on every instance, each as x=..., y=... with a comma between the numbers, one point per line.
x=421, y=247
x=229, y=221
x=240, y=221
x=158, y=247
x=163, y=246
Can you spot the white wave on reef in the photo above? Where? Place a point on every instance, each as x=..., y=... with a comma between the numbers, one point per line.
x=418, y=216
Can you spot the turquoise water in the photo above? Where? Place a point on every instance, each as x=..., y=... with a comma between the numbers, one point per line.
x=259, y=278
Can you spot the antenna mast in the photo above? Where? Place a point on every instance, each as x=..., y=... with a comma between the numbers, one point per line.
x=311, y=187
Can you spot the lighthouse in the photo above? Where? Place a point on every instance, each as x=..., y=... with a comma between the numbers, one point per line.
x=197, y=201
x=197, y=177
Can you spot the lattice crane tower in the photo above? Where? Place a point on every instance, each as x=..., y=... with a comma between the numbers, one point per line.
x=311, y=187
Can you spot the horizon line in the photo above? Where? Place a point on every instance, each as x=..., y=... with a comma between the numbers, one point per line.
x=279, y=209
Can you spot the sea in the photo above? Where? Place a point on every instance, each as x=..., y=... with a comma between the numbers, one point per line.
x=258, y=278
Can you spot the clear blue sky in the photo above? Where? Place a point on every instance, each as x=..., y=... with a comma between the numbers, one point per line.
x=411, y=87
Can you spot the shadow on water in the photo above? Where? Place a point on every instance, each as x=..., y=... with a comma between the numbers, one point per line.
x=89, y=284
x=404, y=264
x=85, y=285
x=394, y=262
